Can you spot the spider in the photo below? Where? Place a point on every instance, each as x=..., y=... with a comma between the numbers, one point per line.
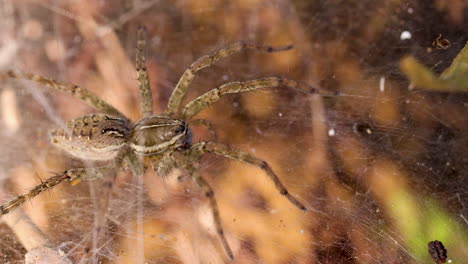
x=163, y=141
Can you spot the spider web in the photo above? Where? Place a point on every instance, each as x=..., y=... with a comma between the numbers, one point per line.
x=381, y=167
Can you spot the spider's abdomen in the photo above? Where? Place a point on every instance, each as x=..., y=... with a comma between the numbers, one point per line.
x=92, y=137
x=158, y=134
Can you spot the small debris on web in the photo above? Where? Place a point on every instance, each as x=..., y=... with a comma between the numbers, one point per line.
x=437, y=251
x=441, y=43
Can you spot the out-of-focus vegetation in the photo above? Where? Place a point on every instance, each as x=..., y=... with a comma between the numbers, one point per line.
x=381, y=167
x=453, y=79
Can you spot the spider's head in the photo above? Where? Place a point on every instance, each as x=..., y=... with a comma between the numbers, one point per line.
x=158, y=134
x=92, y=137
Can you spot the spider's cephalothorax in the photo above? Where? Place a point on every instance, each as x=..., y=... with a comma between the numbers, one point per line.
x=158, y=134
x=110, y=137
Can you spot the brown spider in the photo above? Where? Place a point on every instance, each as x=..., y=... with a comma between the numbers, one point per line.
x=164, y=140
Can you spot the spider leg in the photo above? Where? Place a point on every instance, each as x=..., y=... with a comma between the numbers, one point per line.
x=168, y=162
x=214, y=95
x=142, y=75
x=207, y=124
x=73, y=176
x=76, y=91
x=197, y=150
x=209, y=193
x=181, y=88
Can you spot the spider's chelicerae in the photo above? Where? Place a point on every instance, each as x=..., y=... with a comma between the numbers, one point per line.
x=162, y=140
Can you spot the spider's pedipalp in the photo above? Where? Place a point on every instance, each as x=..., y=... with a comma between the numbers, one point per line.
x=185, y=80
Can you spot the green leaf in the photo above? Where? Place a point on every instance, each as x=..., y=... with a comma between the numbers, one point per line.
x=453, y=79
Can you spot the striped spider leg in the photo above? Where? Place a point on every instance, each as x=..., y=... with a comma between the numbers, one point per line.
x=181, y=88
x=164, y=140
x=75, y=90
x=96, y=137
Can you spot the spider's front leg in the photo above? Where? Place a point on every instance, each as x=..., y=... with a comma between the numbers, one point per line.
x=142, y=75
x=186, y=79
x=197, y=150
x=210, y=97
x=73, y=176
x=178, y=159
x=209, y=193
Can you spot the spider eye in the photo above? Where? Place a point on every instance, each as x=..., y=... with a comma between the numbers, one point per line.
x=179, y=129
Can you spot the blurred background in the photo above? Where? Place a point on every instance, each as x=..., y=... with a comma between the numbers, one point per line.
x=381, y=167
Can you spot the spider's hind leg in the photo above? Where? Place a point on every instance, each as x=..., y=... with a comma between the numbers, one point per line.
x=76, y=91
x=73, y=176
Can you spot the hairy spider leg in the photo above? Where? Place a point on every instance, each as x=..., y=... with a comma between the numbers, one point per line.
x=197, y=150
x=210, y=97
x=165, y=164
x=73, y=176
x=188, y=167
x=142, y=75
x=185, y=80
x=76, y=91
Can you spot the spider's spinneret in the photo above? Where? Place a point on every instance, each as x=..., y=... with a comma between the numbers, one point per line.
x=158, y=134
x=93, y=137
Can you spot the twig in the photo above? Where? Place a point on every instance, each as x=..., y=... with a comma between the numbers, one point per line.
x=40, y=249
